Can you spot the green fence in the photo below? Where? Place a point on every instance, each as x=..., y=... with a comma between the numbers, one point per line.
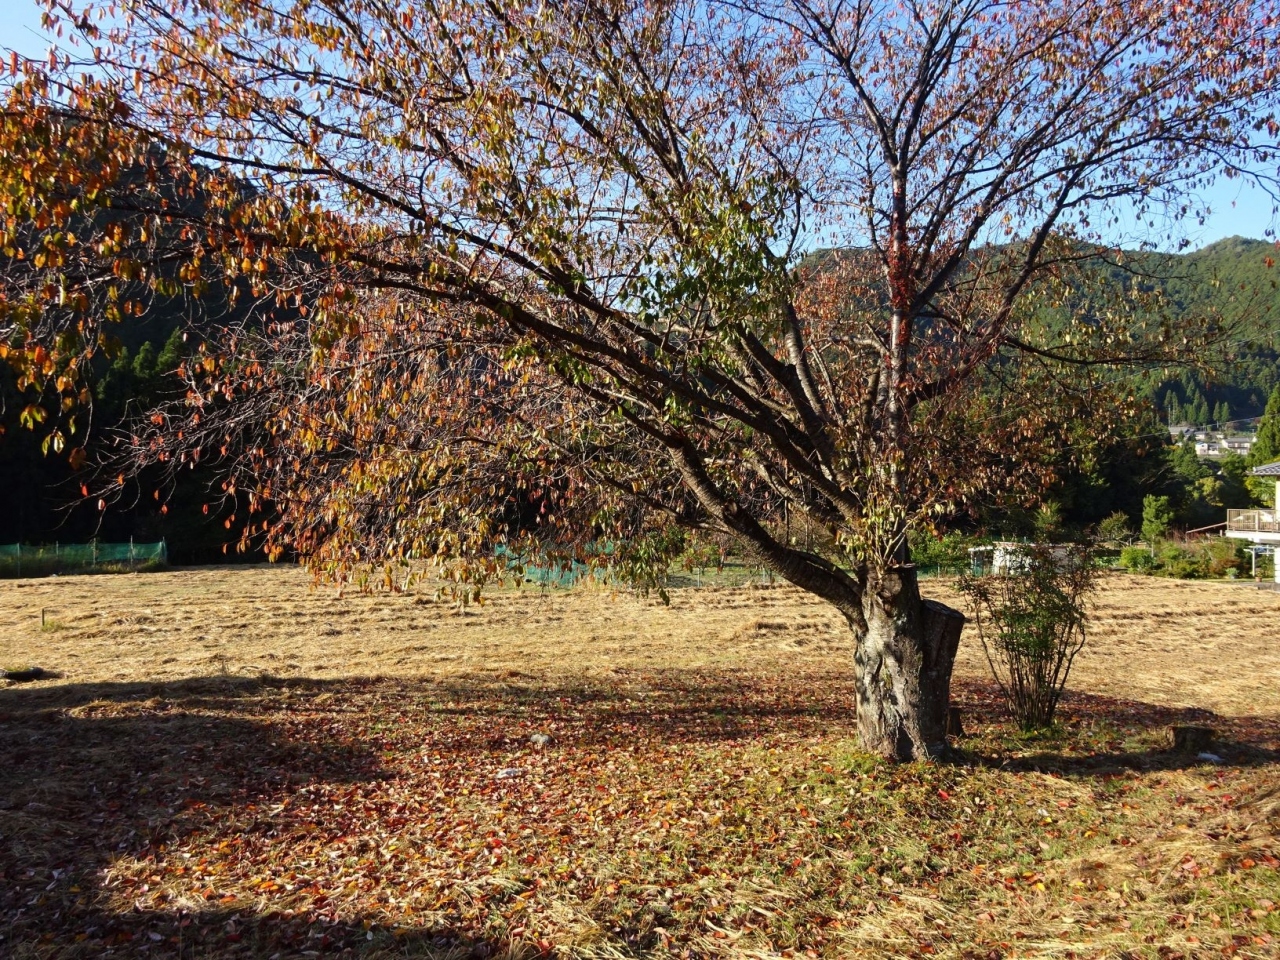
x=24, y=560
x=545, y=571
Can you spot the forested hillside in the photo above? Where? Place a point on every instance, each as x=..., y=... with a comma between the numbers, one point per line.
x=1233, y=285
x=45, y=496
x=1241, y=271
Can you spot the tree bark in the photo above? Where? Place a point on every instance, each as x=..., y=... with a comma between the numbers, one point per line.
x=1191, y=739
x=904, y=655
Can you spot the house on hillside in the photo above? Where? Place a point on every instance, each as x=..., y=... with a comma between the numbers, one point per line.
x=1220, y=446
x=1259, y=526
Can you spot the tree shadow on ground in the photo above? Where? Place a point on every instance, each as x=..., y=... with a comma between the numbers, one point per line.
x=99, y=772
x=673, y=706
x=105, y=773
x=1113, y=725
x=682, y=707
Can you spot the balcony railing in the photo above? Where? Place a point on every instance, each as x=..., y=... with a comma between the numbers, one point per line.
x=1252, y=521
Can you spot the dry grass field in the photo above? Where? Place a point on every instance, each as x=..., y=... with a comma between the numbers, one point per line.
x=230, y=763
x=1175, y=643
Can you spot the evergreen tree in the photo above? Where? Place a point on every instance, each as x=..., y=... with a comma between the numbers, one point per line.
x=1047, y=522
x=1186, y=465
x=1157, y=514
x=1115, y=529
x=171, y=353
x=144, y=364
x=114, y=390
x=1234, y=471
x=1266, y=449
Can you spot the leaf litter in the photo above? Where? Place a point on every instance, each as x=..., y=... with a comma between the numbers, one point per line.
x=679, y=805
x=670, y=813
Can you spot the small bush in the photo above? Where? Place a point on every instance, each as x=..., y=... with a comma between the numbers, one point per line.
x=1180, y=563
x=1032, y=625
x=1193, y=560
x=1115, y=528
x=1222, y=558
x=1137, y=559
x=702, y=554
x=951, y=551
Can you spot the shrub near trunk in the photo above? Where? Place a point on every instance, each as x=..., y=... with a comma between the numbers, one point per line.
x=1031, y=622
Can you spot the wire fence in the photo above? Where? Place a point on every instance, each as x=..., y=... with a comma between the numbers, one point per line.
x=28, y=560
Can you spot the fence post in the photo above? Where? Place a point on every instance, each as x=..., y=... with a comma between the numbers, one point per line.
x=131, y=550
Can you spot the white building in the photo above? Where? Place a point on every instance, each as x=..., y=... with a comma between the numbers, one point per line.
x=1259, y=526
x=1010, y=557
x=1221, y=446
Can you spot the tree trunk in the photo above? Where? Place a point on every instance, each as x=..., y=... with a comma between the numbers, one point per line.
x=904, y=656
x=1191, y=739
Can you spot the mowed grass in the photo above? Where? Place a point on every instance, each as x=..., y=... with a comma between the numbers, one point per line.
x=232, y=765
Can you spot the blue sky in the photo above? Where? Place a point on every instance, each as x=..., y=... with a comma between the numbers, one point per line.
x=20, y=28
x=1238, y=208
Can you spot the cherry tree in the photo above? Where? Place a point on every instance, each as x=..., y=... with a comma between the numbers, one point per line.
x=587, y=270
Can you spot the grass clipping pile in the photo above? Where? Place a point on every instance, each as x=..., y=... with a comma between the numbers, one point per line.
x=671, y=808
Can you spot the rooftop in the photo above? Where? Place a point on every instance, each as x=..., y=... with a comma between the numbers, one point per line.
x=1267, y=470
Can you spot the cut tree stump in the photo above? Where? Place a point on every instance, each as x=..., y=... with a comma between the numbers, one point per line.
x=954, y=727
x=1191, y=739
